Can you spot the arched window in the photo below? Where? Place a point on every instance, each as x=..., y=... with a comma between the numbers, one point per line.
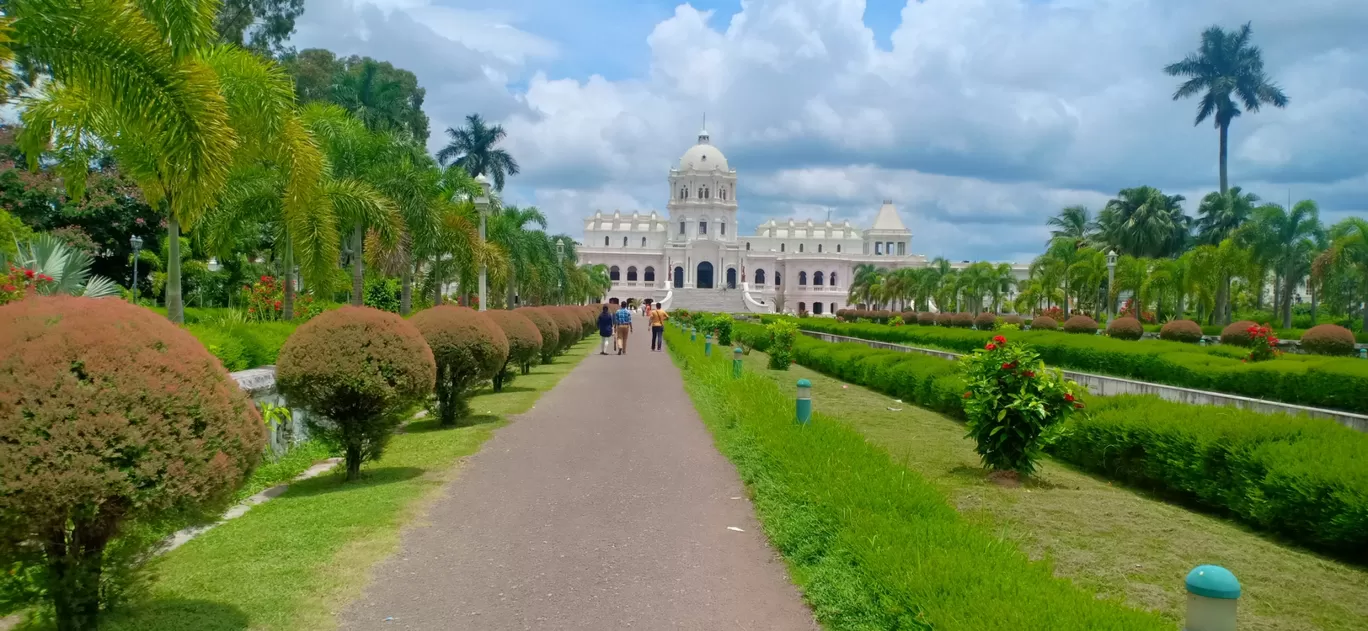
x=624, y=242
x=838, y=248
x=748, y=246
x=759, y=276
x=802, y=279
x=681, y=227
x=777, y=280
x=643, y=242
x=800, y=247
x=816, y=279
x=702, y=192
x=613, y=274
x=802, y=307
x=683, y=192
x=650, y=274
x=606, y=243
x=722, y=228
x=702, y=227
x=831, y=280
x=816, y=308
x=631, y=273
x=781, y=246
x=819, y=248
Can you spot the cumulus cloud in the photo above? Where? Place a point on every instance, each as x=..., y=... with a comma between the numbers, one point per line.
x=980, y=115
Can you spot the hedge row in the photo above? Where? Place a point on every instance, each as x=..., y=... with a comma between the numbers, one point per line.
x=874, y=545
x=1320, y=381
x=1306, y=479
x=243, y=345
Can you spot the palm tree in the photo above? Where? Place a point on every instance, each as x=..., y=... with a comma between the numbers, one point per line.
x=1086, y=275
x=1221, y=214
x=1349, y=248
x=1211, y=269
x=1225, y=68
x=521, y=232
x=1074, y=223
x=472, y=148
x=68, y=267
x=1145, y=222
x=145, y=81
x=863, y=279
x=1292, y=238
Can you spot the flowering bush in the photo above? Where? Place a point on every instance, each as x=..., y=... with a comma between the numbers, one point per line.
x=1263, y=345
x=782, y=335
x=1053, y=313
x=265, y=301
x=1128, y=310
x=1014, y=404
x=18, y=282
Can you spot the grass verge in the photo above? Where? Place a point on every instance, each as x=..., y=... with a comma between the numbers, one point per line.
x=291, y=562
x=873, y=544
x=1110, y=540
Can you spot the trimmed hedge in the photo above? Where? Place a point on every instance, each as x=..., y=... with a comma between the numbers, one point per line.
x=569, y=327
x=469, y=349
x=985, y=321
x=1013, y=319
x=1185, y=331
x=1328, y=339
x=549, y=329
x=1338, y=383
x=926, y=318
x=1125, y=328
x=945, y=319
x=962, y=320
x=524, y=344
x=1237, y=333
x=1044, y=323
x=1080, y=324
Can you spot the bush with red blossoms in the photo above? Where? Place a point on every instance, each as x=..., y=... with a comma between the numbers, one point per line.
x=265, y=300
x=1014, y=405
x=1263, y=345
x=19, y=282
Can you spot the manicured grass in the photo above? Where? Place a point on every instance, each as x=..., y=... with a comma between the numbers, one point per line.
x=286, y=468
x=1107, y=539
x=873, y=544
x=292, y=562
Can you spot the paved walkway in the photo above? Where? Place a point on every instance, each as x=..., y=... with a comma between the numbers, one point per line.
x=605, y=507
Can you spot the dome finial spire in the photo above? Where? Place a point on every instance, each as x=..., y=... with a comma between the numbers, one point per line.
x=703, y=133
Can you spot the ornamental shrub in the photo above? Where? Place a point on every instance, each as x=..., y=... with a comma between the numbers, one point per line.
x=546, y=325
x=524, y=344
x=108, y=414
x=567, y=326
x=1328, y=339
x=1185, y=331
x=782, y=334
x=896, y=320
x=985, y=321
x=1013, y=319
x=722, y=328
x=1044, y=323
x=1125, y=328
x=1237, y=333
x=908, y=317
x=962, y=320
x=1014, y=404
x=1263, y=345
x=1081, y=324
x=945, y=318
x=926, y=318
x=469, y=349
x=357, y=369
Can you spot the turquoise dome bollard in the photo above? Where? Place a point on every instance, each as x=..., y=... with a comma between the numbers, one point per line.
x=736, y=362
x=1363, y=353
x=1213, y=593
x=707, y=345
x=693, y=334
x=804, y=409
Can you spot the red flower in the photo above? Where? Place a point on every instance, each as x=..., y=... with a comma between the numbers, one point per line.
x=28, y=273
x=999, y=339
x=1078, y=405
x=968, y=395
x=265, y=278
x=991, y=346
x=277, y=304
x=1030, y=374
x=1006, y=366
x=8, y=288
x=45, y=278
x=1068, y=397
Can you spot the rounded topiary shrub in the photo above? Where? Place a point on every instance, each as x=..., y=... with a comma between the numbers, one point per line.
x=1044, y=323
x=909, y=317
x=1185, y=331
x=1013, y=319
x=926, y=318
x=945, y=319
x=569, y=327
x=469, y=349
x=524, y=345
x=1080, y=324
x=1124, y=328
x=1328, y=339
x=985, y=321
x=550, y=331
x=108, y=412
x=962, y=320
x=357, y=369
x=1237, y=333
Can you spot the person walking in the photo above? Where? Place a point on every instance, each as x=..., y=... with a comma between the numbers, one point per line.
x=605, y=327
x=658, y=318
x=613, y=306
x=623, y=319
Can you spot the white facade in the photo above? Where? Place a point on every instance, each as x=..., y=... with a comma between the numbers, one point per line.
x=696, y=250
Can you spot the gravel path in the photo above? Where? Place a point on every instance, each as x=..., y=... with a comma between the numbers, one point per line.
x=605, y=507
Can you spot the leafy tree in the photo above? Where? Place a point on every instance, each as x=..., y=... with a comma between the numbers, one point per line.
x=261, y=26
x=1221, y=214
x=472, y=148
x=1349, y=249
x=383, y=97
x=1288, y=240
x=1225, y=69
x=1143, y=221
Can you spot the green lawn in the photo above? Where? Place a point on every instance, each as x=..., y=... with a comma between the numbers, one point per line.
x=1109, y=540
x=294, y=561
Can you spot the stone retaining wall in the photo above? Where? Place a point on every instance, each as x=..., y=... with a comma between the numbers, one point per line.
x=260, y=384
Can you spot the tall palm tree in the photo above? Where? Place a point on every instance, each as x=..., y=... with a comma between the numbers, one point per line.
x=1226, y=68
x=1074, y=223
x=472, y=148
x=1143, y=221
x=1349, y=248
x=1087, y=274
x=521, y=232
x=863, y=279
x=1292, y=238
x=1211, y=269
x=1220, y=214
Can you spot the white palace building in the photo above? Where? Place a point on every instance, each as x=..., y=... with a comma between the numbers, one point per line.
x=697, y=259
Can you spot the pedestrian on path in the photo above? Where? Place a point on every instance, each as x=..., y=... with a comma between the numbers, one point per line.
x=613, y=306
x=624, y=326
x=605, y=327
x=658, y=317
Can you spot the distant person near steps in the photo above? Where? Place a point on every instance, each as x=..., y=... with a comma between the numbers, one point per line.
x=605, y=327
x=658, y=318
x=623, y=319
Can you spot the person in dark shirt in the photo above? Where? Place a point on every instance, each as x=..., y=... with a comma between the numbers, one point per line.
x=605, y=327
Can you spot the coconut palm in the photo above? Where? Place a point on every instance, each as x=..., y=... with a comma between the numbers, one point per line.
x=472, y=148
x=1086, y=275
x=1143, y=221
x=1074, y=223
x=1225, y=69
x=1211, y=269
x=521, y=232
x=1290, y=240
x=1349, y=248
x=863, y=279
x=1220, y=214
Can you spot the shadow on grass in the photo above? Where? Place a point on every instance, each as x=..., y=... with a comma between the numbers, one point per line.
x=334, y=482
x=178, y=614
x=507, y=389
x=433, y=425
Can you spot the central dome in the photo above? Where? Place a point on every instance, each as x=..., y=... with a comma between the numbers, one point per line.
x=703, y=156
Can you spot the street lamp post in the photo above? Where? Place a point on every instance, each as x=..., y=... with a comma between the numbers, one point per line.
x=1111, y=283
x=560, y=264
x=135, y=241
x=213, y=266
x=482, y=207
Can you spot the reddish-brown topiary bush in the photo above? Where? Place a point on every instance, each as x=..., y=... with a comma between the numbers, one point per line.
x=908, y=317
x=357, y=369
x=550, y=331
x=1081, y=324
x=1185, y=331
x=945, y=318
x=1124, y=328
x=926, y=318
x=985, y=321
x=1328, y=339
x=1013, y=319
x=1237, y=333
x=570, y=329
x=469, y=349
x=524, y=344
x=962, y=320
x=108, y=412
x=1044, y=323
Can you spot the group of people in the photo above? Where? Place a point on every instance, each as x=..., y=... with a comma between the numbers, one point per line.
x=615, y=325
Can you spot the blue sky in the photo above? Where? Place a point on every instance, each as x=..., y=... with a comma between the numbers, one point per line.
x=979, y=118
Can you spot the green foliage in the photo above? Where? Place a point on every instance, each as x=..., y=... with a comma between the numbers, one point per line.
x=782, y=335
x=382, y=294
x=469, y=349
x=1328, y=339
x=1306, y=479
x=1014, y=404
x=896, y=320
x=1185, y=331
x=382, y=96
x=241, y=345
x=1125, y=328
x=12, y=233
x=722, y=326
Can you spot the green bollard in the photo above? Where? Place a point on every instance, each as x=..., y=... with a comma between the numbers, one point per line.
x=736, y=362
x=1363, y=353
x=707, y=345
x=804, y=401
x=693, y=334
x=1213, y=597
